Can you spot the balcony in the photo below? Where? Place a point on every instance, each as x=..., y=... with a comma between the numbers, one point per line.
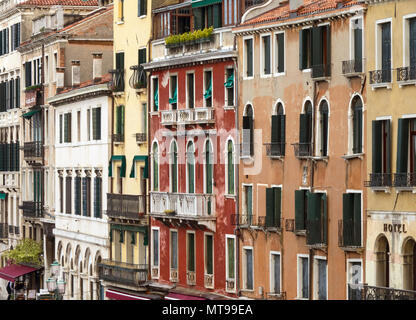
x=316, y=233
x=4, y=232
x=32, y=209
x=203, y=115
x=257, y=222
x=141, y=138
x=138, y=79
x=116, y=83
x=321, y=72
x=352, y=68
x=303, y=150
x=380, y=78
x=118, y=137
x=187, y=116
x=379, y=181
x=383, y=293
x=121, y=272
x=122, y=206
x=349, y=235
x=32, y=151
x=275, y=149
x=405, y=180
x=189, y=208
x=406, y=75
x=168, y=117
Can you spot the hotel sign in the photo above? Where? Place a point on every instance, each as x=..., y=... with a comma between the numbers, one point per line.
x=400, y=228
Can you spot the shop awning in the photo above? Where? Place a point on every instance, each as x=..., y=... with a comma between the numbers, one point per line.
x=178, y=296
x=14, y=271
x=29, y=114
x=118, y=295
x=146, y=166
x=123, y=165
x=3, y=195
x=203, y=3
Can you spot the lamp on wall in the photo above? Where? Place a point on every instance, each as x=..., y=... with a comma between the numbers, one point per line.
x=56, y=286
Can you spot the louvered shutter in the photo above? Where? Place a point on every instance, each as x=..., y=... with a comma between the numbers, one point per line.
x=376, y=146
x=97, y=197
x=358, y=49
x=347, y=218
x=17, y=88
x=304, y=129
x=302, y=47
x=96, y=120
x=277, y=194
x=68, y=192
x=281, y=52
x=209, y=255
x=249, y=51
x=269, y=207
x=300, y=210
x=77, y=198
x=275, y=135
x=402, y=146
x=388, y=145
x=266, y=54
x=357, y=219
x=84, y=196
x=217, y=15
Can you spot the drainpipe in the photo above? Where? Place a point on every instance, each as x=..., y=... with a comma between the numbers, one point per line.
x=42, y=201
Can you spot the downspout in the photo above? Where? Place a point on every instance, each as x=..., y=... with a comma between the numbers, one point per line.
x=42, y=201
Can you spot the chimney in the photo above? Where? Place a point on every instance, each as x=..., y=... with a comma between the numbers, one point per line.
x=97, y=66
x=60, y=77
x=295, y=4
x=76, y=75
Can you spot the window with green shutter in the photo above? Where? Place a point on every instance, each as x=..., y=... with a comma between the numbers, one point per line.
x=68, y=192
x=351, y=220
x=273, y=207
x=209, y=160
x=323, y=123
x=248, y=57
x=190, y=90
x=230, y=167
x=191, y=252
x=301, y=212
x=67, y=127
x=208, y=88
x=77, y=196
x=209, y=254
x=173, y=100
x=155, y=167
x=280, y=53
x=97, y=197
x=174, y=167
x=173, y=249
x=305, y=48
x=155, y=95
x=155, y=247
x=357, y=110
x=230, y=258
x=96, y=123
x=229, y=85
x=86, y=196
x=266, y=55
x=248, y=204
x=191, y=167
x=120, y=122
x=316, y=226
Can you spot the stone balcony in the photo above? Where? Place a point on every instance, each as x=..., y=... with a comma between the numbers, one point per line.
x=187, y=116
x=187, y=208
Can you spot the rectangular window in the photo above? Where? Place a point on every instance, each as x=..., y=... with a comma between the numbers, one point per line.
x=78, y=126
x=173, y=84
x=248, y=54
x=46, y=69
x=120, y=123
x=230, y=271
x=54, y=65
x=275, y=272
x=208, y=88
x=208, y=16
x=120, y=10
x=280, y=53
x=320, y=285
x=351, y=220
x=77, y=197
x=88, y=124
x=190, y=93
x=174, y=249
x=86, y=196
x=317, y=219
x=142, y=8
x=28, y=74
x=68, y=192
x=155, y=247
x=142, y=54
x=97, y=197
x=383, y=51
x=315, y=50
x=67, y=127
x=381, y=153
x=357, y=33
x=248, y=283
x=229, y=87
x=155, y=94
x=96, y=123
x=273, y=206
x=209, y=254
x=305, y=48
x=266, y=57
x=190, y=265
x=301, y=209
x=303, y=277
x=248, y=205
x=61, y=194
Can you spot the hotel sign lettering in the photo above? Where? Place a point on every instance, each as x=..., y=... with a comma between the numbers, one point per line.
x=400, y=228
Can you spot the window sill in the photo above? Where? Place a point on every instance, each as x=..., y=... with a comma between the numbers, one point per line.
x=265, y=76
x=230, y=196
x=405, y=189
x=386, y=85
x=231, y=108
x=248, y=78
x=297, y=298
x=142, y=16
x=381, y=189
x=321, y=158
x=154, y=113
x=307, y=70
x=120, y=22
x=353, y=156
x=247, y=290
x=406, y=83
x=280, y=74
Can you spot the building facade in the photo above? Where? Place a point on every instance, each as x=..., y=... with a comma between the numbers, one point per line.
x=390, y=45
x=302, y=101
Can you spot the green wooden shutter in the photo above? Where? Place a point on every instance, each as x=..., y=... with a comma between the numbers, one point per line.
x=358, y=49
x=282, y=134
x=376, y=146
x=191, y=252
x=388, y=145
x=281, y=52
x=249, y=203
x=122, y=120
x=97, y=197
x=191, y=178
x=347, y=218
x=317, y=46
x=275, y=129
x=302, y=55
x=217, y=12
x=142, y=55
x=208, y=169
x=267, y=55
x=96, y=120
x=304, y=128
x=300, y=210
x=84, y=196
x=402, y=145
x=198, y=23
x=269, y=207
x=324, y=218
x=155, y=168
x=249, y=58
x=230, y=169
x=357, y=129
x=327, y=59
x=314, y=219
x=175, y=170
x=357, y=219
x=209, y=256
x=231, y=261
x=277, y=193
x=118, y=119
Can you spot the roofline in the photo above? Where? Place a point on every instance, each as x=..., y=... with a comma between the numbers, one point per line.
x=92, y=90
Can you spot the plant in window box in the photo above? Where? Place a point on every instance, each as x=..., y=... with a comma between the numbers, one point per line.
x=170, y=212
x=33, y=88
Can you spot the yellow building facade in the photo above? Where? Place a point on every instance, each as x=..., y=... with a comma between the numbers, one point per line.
x=390, y=42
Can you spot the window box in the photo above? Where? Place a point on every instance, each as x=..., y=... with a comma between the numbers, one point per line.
x=352, y=68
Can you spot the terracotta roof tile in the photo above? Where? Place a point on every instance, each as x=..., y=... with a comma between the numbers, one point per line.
x=82, y=3
x=104, y=79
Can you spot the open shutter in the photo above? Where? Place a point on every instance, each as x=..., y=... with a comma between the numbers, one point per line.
x=314, y=218
x=275, y=134
x=17, y=86
x=317, y=45
x=302, y=46
x=249, y=204
x=277, y=194
x=347, y=218
x=388, y=145
x=217, y=15
x=304, y=128
x=282, y=134
x=402, y=145
x=357, y=219
x=266, y=41
x=269, y=207
x=198, y=23
x=324, y=218
x=300, y=210
x=357, y=130
x=376, y=146
x=251, y=126
x=358, y=49
x=327, y=57
x=281, y=52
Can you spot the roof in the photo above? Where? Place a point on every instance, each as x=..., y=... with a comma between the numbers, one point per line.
x=163, y=3
x=104, y=79
x=14, y=271
x=78, y=3
x=309, y=7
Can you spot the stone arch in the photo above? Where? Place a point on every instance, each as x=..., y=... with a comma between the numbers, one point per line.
x=409, y=263
x=382, y=255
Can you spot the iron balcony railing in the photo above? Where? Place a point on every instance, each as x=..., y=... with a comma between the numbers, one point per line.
x=275, y=149
x=4, y=232
x=355, y=291
x=383, y=293
x=126, y=206
x=316, y=232
x=321, y=71
x=32, y=209
x=141, y=137
x=242, y=220
x=268, y=222
x=33, y=149
x=351, y=67
x=118, y=137
x=349, y=234
x=302, y=149
x=380, y=76
x=138, y=79
x=116, y=83
x=121, y=272
x=405, y=180
x=406, y=73
x=379, y=180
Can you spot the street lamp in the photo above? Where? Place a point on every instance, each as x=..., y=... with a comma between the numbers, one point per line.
x=55, y=285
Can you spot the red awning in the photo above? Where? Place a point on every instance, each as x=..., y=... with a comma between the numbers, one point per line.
x=178, y=296
x=118, y=295
x=14, y=271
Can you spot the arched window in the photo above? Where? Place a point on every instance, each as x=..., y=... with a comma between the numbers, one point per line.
x=190, y=165
x=323, y=128
x=248, y=132
x=230, y=167
x=357, y=125
x=382, y=252
x=155, y=167
x=278, y=132
x=174, y=166
x=305, y=131
x=209, y=160
x=409, y=265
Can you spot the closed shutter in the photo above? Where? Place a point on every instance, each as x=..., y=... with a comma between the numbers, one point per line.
x=28, y=73
x=84, y=196
x=358, y=49
x=347, y=218
x=17, y=156
x=386, y=51
x=198, y=18
x=7, y=40
x=281, y=52
x=191, y=252
x=217, y=15
x=269, y=207
x=77, y=200
x=18, y=35
x=376, y=146
x=304, y=128
x=17, y=88
x=317, y=46
x=11, y=94
x=209, y=170
x=246, y=135
x=209, y=254
x=327, y=56
x=313, y=227
x=1, y=157
x=142, y=8
x=60, y=128
x=97, y=197
x=191, y=176
x=142, y=56
x=357, y=219
x=120, y=61
x=8, y=157
x=402, y=146
x=275, y=134
x=68, y=192
x=357, y=130
x=324, y=133
x=277, y=194
x=67, y=127
x=1, y=43
x=96, y=120
x=324, y=219
x=266, y=41
x=322, y=280
x=300, y=210
x=155, y=248
x=387, y=128
x=209, y=16
x=249, y=58
x=302, y=48
x=249, y=195
x=175, y=170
